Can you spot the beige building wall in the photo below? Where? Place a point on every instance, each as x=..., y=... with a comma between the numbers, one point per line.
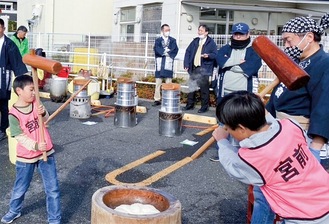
x=67, y=16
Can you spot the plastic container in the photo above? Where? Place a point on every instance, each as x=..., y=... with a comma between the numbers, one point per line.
x=64, y=72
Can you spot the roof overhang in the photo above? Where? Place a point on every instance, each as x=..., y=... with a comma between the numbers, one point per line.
x=301, y=1
x=255, y=8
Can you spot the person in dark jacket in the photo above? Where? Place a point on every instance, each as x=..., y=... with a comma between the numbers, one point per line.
x=308, y=105
x=10, y=60
x=238, y=63
x=165, y=51
x=199, y=62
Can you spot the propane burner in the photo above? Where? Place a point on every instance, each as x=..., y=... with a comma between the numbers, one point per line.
x=80, y=106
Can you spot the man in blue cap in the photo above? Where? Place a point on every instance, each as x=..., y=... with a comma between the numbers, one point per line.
x=237, y=63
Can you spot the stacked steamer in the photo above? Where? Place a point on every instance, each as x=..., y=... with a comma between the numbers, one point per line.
x=125, y=106
x=170, y=114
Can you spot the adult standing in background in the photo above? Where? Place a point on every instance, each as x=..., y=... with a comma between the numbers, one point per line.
x=238, y=65
x=20, y=40
x=237, y=62
x=10, y=60
x=199, y=62
x=165, y=51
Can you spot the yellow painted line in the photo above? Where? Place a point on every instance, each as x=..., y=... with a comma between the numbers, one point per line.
x=110, y=177
x=203, y=148
x=164, y=172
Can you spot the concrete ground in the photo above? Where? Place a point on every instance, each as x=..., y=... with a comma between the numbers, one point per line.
x=85, y=154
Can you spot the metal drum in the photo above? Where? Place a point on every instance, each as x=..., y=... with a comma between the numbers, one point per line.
x=58, y=89
x=80, y=106
x=170, y=124
x=170, y=114
x=126, y=92
x=170, y=98
x=125, y=116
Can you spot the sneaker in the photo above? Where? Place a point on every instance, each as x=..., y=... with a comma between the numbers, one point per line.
x=214, y=159
x=10, y=217
x=156, y=103
x=188, y=107
x=324, y=152
x=2, y=136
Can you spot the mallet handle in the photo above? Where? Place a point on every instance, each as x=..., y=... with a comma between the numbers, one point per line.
x=268, y=88
x=40, y=121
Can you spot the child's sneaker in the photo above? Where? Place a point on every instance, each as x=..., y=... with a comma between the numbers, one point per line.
x=10, y=217
x=324, y=152
x=214, y=159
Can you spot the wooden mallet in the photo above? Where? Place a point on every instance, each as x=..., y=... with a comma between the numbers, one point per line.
x=286, y=70
x=47, y=65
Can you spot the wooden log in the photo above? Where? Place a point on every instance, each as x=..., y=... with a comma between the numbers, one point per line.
x=141, y=109
x=199, y=118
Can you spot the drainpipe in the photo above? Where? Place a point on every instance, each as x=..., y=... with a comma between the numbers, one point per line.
x=178, y=22
x=227, y=26
x=146, y=51
x=89, y=50
x=178, y=32
x=268, y=23
x=52, y=17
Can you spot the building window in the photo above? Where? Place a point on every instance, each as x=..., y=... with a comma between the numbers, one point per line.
x=6, y=6
x=127, y=24
x=216, y=20
x=128, y=14
x=215, y=28
x=151, y=20
x=214, y=14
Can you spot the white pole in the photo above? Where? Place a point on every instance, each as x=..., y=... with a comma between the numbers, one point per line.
x=88, y=51
x=146, y=50
x=178, y=34
x=39, y=40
